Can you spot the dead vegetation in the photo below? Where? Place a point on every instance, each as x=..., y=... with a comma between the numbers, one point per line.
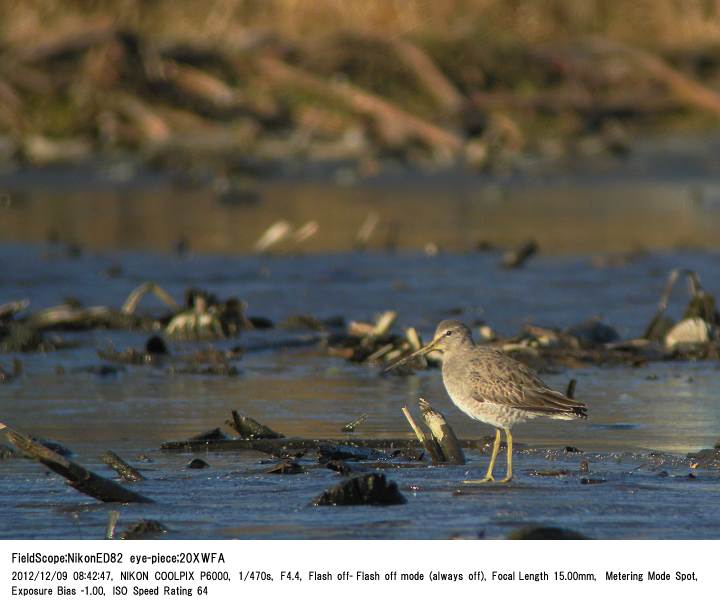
x=483, y=83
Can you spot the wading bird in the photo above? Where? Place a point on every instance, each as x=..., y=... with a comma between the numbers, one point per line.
x=490, y=386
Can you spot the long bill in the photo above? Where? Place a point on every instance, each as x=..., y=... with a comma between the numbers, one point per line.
x=426, y=349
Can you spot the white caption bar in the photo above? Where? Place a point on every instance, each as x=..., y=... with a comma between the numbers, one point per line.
x=354, y=574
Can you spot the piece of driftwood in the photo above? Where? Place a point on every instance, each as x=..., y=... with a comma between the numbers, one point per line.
x=126, y=471
x=428, y=442
x=344, y=452
x=570, y=391
x=77, y=476
x=76, y=40
x=701, y=305
x=113, y=517
x=352, y=426
x=73, y=317
x=148, y=287
x=288, y=445
x=250, y=429
x=442, y=432
x=152, y=127
x=685, y=89
x=428, y=74
x=577, y=100
x=8, y=309
x=413, y=339
x=201, y=86
x=394, y=124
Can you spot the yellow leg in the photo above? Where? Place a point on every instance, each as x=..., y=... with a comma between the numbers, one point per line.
x=508, y=475
x=488, y=476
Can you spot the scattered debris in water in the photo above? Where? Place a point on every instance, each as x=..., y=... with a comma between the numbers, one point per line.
x=77, y=476
x=206, y=318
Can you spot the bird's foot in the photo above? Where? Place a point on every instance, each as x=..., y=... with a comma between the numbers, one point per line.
x=484, y=480
x=506, y=479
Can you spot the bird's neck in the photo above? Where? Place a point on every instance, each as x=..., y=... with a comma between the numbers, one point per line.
x=460, y=350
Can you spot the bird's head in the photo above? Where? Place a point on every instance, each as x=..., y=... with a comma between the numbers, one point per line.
x=449, y=334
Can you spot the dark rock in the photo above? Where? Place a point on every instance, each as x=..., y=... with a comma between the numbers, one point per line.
x=545, y=533
x=197, y=463
x=370, y=489
x=155, y=345
x=584, y=466
x=144, y=529
x=572, y=449
x=261, y=323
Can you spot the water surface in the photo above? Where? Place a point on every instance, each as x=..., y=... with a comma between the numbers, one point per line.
x=668, y=407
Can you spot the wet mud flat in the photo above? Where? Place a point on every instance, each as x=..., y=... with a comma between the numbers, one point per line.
x=644, y=420
x=624, y=495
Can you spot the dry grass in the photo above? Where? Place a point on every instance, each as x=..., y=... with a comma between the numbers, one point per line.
x=652, y=23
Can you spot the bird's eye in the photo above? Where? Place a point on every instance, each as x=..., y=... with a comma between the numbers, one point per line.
x=448, y=333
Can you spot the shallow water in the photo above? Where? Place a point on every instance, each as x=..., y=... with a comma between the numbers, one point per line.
x=669, y=407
